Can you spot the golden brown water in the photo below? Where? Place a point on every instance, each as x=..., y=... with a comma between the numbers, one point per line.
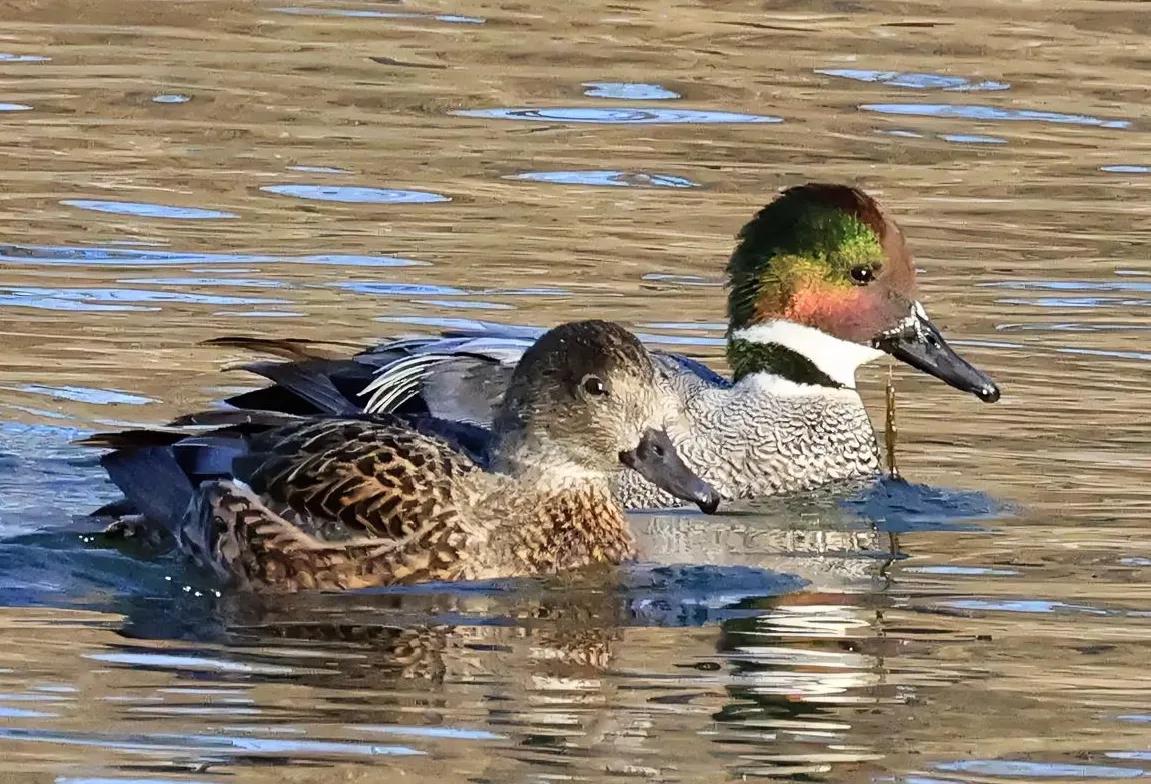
x=569, y=160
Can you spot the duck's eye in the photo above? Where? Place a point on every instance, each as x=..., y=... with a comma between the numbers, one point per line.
x=594, y=386
x=863, y=274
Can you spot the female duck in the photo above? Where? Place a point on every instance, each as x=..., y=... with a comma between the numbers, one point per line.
x=340, y=503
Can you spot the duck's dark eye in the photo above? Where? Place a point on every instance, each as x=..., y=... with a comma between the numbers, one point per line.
x=863, y=274
x=594, y=386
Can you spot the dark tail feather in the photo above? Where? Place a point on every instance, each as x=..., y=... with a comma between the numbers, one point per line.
x=292, y=349
x=226, y=417
x=152, y=481
x=130, y=439
x=272, y=398
x=303, y=381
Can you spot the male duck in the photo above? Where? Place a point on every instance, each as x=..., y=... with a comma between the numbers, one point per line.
x=342, y=503
x=820, y=282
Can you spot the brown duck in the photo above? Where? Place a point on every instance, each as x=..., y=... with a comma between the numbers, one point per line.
x=347, y=503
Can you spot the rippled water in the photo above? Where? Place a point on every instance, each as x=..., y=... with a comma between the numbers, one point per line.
x=344, y=171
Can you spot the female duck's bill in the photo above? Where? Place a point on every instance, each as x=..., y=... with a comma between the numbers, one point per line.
x=657, y=461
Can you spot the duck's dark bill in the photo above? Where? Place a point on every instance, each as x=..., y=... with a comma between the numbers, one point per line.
x=919, y=343
x=656, y=459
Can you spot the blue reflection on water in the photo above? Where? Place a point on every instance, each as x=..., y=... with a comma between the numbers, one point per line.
x=1039, y=606
x=916, y=81
x=354, y=13
x=355, y=194
x=39, y=255
x=1069, y=285
x=1031, y=769
x=971, y=138
x=218, y=743
x=617, y=116
x=617, y=179
x=629, y=91
x=319, y=169
x=403, y=289
x=252, y=283
x=990, y=113
x=104, y=397
x=114, y=299
x=463, y=304
x=147, y=210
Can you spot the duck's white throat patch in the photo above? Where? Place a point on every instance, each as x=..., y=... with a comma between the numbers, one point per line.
x=835, y=358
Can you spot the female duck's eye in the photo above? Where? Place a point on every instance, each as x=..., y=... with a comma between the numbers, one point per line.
x=594, y=386
x=863, y=274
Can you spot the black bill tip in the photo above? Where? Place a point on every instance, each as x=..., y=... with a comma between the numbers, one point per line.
x=656, y=459
x=988, y=393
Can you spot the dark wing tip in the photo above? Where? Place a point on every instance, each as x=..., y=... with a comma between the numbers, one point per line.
x=130, y=439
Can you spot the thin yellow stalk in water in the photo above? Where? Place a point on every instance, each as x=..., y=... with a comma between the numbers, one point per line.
x=889, y=430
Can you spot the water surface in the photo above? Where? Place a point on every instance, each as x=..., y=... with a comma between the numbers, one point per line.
x=341, y=171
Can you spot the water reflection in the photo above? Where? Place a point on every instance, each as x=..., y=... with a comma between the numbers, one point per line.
x=915, y=81
x=114, y=299
x=355, y=195
x=616, y=179
x=146, y=210
x=906, y=633
x=991, y=114
x=1125, y=169
x=88, y=395
x=319, y=169
x=618, y=116
x=1039, y=770
x=629, y=91
x=359, y=13
x=37, y=255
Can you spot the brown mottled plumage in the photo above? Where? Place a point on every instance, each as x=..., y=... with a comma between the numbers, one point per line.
x=341, y=503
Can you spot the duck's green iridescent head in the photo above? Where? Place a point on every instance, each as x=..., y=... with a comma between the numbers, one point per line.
x=822, y=282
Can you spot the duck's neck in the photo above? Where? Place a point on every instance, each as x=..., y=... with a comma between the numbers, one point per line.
x=556, y=523
x=797, y=353
x=537, y=463
x=586, y=526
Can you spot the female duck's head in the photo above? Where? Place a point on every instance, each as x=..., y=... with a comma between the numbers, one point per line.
x=583, y=400
x=822, y=282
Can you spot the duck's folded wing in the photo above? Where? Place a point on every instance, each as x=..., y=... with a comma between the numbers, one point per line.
x=460, y=379
x=678, y=363
x=354, y=478
x=313, y=378
x=458, y=376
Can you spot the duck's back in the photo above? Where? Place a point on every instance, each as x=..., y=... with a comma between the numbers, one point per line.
x=335, y=503
x=761, y=436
